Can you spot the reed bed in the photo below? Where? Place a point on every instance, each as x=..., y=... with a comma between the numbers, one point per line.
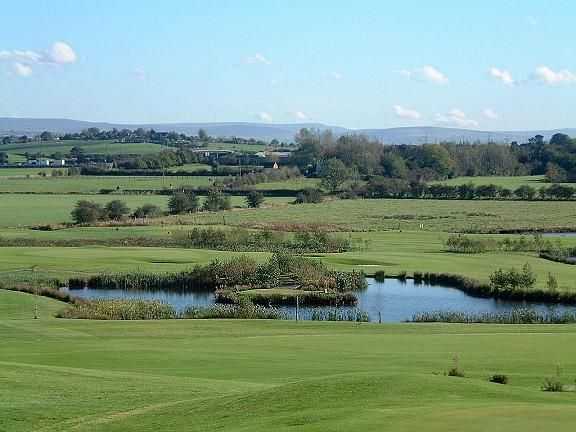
x=515, y=316
x=335, y=314
x=305, y=298
x=119, y=310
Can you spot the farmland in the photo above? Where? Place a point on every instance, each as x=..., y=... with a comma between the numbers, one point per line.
x=252, y=375
x=89, y=146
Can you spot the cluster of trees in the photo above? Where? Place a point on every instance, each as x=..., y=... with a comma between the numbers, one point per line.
x=383, y=187
x=157, y=161
x=86, y=212
x=362, y=156
x=188, y=202
x=513, y=279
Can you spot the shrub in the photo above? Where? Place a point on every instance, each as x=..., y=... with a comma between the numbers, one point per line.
x=513, y=279
x=216, y=201
x=402, y=275
x=148, y=211
x=116, y=210
x=254, y=199
x=243, y=311
x=455, y=370
x=552, y=385
x=380, y=276
x=498, y=379
x=309, y=196
x=336, y=314
x=87, y=212
x=182, y=202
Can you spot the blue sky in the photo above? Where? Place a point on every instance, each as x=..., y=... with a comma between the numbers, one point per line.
x=498, y=65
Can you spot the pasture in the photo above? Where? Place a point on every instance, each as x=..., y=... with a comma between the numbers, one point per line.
x=511, y=183
x=89, y=146
x=207, y=375
x=94, y=184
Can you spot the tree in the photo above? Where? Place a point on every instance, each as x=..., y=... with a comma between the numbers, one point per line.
x=216, y=201
x=525, y=192
x=87, y=212
x=182, y=202
x=202, y=135
x=560, y=139
x=116, y=210
x=555, y=173
x=147, y=211
x=46, y=136
x=254, y=199
x=334, y=173
x=3, y=158
x=394, y=166
x=309, y=196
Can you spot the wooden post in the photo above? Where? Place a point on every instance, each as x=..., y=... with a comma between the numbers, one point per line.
x=297, y=308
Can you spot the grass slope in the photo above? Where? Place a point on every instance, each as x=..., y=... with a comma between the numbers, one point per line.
x=258, y=376
x=91, y=147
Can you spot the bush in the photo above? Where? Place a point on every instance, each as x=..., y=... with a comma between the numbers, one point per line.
x=499, y=379
x=87, y=212
x=119, y=310
x=254, y=199
x=116, y=210
x=513, y=279
x=380, y=276
x=148, y=211
x=552, y=385
x=216, y=201
x=182, y=202
x=309, y=196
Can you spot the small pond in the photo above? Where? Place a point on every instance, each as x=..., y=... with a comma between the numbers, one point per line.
x=395, y=300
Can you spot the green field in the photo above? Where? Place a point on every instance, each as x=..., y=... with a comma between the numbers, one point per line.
x=506, y=182
x=89, y=146
x=26, y=172
x=93, y=184
x=409, y=214
x=34, y=209
x=269, y=375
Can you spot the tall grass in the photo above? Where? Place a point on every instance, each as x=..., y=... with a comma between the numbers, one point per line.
x=119, y=310
x=515, y=316
x=336, y=314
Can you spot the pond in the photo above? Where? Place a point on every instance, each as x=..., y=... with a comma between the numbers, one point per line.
x=394, y=300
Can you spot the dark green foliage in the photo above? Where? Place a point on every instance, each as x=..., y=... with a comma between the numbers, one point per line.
x=148, y=211
x=459, y=243
x=552, y=385
x=333, y=173
x=182, y=202
x=380, y=276
x=216, y=201
x=498, y=379
x=305, y=298
x=513, y=279
x=309, y=196
x=87, y=212
x=116, y=210
x=254, y=199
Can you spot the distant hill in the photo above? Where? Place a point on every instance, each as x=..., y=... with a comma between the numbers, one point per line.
x=282, y=132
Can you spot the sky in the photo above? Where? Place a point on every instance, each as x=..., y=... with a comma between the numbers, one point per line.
x=490, y=65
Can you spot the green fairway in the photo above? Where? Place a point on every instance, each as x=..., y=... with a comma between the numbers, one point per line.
x=393, y=252
x=277, y=375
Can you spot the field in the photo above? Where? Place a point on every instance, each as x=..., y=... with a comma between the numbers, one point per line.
x=26, y=172
x=409, y=214
x=91, y=147
x=506, y=182
x=34, y=209
x=264, y=375
x=93, y=184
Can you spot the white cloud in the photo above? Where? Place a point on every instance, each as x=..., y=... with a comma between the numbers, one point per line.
x=62, y=53
x=265, y=117
x=406, y=113
x=21, y=56
x=336, y=75
x=551, y=77
x=300, y=115
x=257, y=58
x=140, y=74
x=502, y=75
x=22, y=70
x=490, y=114
x=426, y=73
x=456, y=117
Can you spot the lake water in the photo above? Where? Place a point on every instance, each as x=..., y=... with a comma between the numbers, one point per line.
x=395, y=300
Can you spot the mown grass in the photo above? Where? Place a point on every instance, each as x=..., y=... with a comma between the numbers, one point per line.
x=235, y=375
